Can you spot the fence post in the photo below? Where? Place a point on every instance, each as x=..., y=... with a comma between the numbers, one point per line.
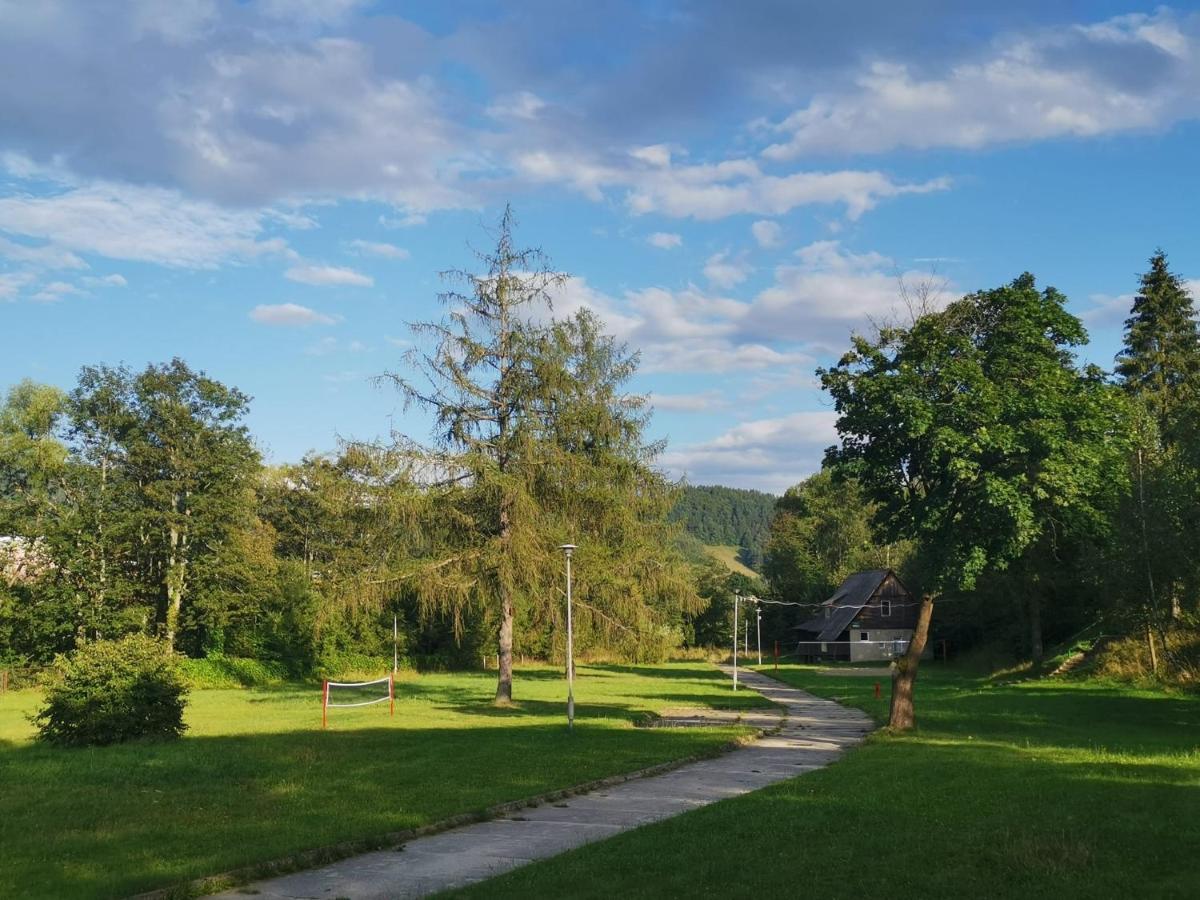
x=777, y=656
x=324, y=704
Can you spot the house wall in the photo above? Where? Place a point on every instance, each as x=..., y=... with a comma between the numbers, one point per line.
x=872, y=649
x=903, y=608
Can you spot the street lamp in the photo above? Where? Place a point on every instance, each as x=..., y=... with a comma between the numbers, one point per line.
x=568, y=549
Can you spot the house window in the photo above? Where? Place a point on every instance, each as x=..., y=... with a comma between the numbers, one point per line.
x=863, y=636
x=885, y=607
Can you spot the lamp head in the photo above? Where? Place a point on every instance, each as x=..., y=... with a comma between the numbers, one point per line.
x=566, y=548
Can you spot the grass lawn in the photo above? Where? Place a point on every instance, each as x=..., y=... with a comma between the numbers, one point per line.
x=1040, y=789
x=256, y=779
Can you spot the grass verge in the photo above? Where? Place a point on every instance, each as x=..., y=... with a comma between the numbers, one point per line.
x=256, y=779
x=1038, y=789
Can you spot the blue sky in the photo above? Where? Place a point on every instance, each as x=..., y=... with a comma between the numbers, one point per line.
x=269, y=189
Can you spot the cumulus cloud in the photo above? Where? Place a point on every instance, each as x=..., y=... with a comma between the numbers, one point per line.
x=290, y=314
x=328, y=276
x=113, y=280
x=767, y=234
x=768, y=454
x=726, y=271
x=379, y=248
x=709, y=191
x=42, y=256
x=57, y=290
x=12, y=282
x=665, y=240
x=706, y=401
x=137, y=223
x=1130, y=72
x=523, y=105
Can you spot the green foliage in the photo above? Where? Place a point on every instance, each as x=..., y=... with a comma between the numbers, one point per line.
x=728, y=516
x=1160, y=360
x=108, y=692
x=972, y=428
x=821, y=533
x=218, y=671
x=535, y=444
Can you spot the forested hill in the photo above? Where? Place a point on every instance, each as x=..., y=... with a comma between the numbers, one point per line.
x=727, y=516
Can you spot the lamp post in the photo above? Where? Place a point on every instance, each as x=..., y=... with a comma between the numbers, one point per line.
x=737, y=597
x=758, y=623
x=568, y=549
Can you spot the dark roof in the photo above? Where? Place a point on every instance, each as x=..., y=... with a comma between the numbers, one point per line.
x=850, y=597
x=857, y=589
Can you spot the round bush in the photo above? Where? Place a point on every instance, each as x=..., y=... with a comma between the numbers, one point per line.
x=112, y=691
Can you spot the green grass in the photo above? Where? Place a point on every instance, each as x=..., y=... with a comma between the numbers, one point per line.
x=1038, y=789
x=255, y=778
x=727, y=555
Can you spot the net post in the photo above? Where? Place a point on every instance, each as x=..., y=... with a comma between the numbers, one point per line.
x=392, y=695
x=324, y=704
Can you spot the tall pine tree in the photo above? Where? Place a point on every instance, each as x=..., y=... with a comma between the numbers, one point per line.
x=1161, y=358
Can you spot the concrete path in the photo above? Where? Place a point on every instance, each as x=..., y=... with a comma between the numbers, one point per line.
x=814, y=733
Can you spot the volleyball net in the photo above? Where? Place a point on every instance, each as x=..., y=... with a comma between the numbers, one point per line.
x=351, y=694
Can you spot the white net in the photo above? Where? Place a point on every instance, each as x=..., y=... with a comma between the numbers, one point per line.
x=347, y=694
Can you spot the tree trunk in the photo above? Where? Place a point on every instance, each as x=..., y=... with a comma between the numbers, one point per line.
x=1153, y=651
x=904, y=674
x=505, y=655
x=504, y=694
x=1036, y=650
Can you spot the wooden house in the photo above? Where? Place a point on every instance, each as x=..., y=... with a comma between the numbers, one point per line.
x=871, y=616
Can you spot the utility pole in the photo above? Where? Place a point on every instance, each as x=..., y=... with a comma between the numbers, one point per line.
x=737, y=596
x=567, y=549
x=758, y=622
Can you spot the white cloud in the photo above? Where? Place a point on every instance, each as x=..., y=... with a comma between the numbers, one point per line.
x=140, y=224
x=113, y=280
x=707, y=401
x=12, y=282
x=328, y=276
x=289, y=314
x=709, y=191
x=768, y=234
x=726, y=272
x=57, y=290
x=43, y=256
x=379, y=248
x=665, y=240
x=522, y=105
x=768, y=454
x=1131, y=72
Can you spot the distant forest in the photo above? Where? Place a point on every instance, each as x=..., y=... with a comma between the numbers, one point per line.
x=731, y=516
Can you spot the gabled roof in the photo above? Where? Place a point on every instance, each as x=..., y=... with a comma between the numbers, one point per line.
x=850, y=597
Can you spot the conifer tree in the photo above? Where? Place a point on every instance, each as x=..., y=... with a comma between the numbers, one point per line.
x=534, y=445
x=1160, y=360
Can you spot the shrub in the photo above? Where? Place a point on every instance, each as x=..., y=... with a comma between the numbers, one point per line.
x=112, y=691
x=220, y=671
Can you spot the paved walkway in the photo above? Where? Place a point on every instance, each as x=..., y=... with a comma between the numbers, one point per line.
x=814, y=733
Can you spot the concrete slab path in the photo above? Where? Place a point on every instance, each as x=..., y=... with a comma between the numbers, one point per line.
x=814, y=733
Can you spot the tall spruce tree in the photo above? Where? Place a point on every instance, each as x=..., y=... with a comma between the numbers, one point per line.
x=1160, y=360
